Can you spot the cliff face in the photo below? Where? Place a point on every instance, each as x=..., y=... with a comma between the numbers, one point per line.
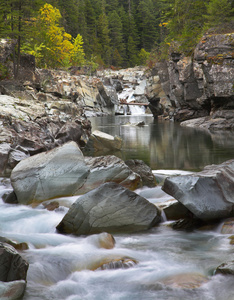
x=204, y=84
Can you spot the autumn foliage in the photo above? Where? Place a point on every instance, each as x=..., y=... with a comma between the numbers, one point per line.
x=53, y=46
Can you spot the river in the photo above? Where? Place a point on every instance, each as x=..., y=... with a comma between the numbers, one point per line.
x=60, y=267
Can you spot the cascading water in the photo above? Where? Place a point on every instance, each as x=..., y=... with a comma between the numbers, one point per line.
x=68, y=267
x=128, y=96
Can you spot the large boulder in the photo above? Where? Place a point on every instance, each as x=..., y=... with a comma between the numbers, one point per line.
x=12, y=265
x=59, y=172
x=110, y=208
x=208, y=194
x=109, y=169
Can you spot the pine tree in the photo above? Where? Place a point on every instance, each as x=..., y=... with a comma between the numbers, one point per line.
x=148, y=24
x=103, y=36
x=90, y=39
x=219, y=12
x=186, y=23
x=16, y=23
x=116, y=38
x=69, y=12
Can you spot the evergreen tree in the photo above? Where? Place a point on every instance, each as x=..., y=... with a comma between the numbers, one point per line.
x=219, y=12
x=16, y=23
x=69, y=12
x=116, y=38
x=132, y=52
x=186, y=23
x=90, y=39
x=148, y=24
x=103, y=36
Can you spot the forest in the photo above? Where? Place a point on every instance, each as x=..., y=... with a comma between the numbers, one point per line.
x=118, y=33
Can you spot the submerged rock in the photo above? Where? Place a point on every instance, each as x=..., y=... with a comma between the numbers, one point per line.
x=110, y=208
x=185, y=281
x=116, y=263
x=13, y=290
x=102, y=240
x=208, y=194
x=59, y=172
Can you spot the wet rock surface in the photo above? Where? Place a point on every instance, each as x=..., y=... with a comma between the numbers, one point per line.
x=226, y=268
x=12, y=265
x=59, y=172
x=110, y=208
x=64, y=171
x=185, y=281
x=109, y=168
x=207, y=194
x=139, y=167
x=101, y=142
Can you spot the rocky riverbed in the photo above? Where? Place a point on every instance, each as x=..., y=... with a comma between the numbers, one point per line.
x=44, y=129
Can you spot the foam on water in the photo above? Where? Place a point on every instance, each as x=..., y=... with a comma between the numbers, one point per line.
x=60, y=266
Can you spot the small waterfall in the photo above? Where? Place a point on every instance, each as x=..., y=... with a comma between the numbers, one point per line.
x=136, y=110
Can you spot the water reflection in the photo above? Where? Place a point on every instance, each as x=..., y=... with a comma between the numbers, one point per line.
x=166, y=145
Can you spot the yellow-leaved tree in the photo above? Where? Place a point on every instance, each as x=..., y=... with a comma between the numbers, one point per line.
x=77, y=55
x=52, y=46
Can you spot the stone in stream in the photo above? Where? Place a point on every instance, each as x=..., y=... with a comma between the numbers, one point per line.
x=109, y=168
x=64, y=171
x=56, y=173
x=102, y=240
x=115, y=263
x=139, y=167
x=101, y=141
x=12, y=290
x=174, y=210
x=208, y=194
x=225, y=268
x=10, y=197
x=12, y=265
x=17, y=246
x=110, y=208
x=228, y=226
x=185, y=280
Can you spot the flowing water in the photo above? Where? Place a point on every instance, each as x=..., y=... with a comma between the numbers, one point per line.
x=60, y=266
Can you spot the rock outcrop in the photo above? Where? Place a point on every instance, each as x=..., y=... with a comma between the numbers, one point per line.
x=201, y=86
x=110, y=208
x=208, y=194
x=29, y=127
